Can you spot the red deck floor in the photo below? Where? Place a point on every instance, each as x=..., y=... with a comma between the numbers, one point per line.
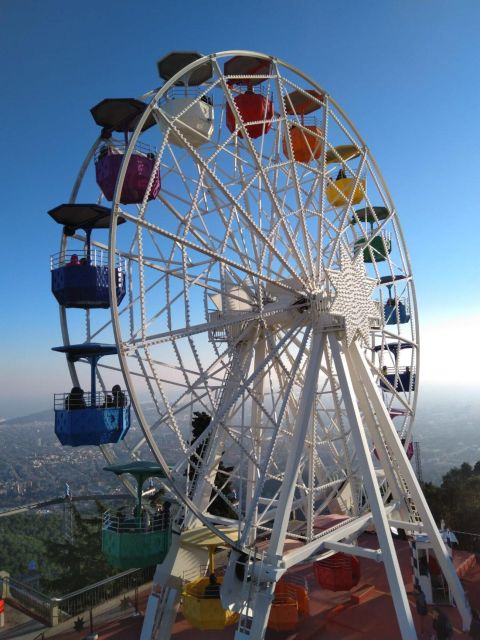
x=332, y=615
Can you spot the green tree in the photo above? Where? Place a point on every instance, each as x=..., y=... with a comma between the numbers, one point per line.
x=79, y=562
x=23, y=538
x=457, y=502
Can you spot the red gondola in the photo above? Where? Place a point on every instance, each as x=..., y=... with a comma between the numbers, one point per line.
x=252, y=107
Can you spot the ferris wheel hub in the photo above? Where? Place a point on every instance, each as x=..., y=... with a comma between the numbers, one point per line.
x=353, y=296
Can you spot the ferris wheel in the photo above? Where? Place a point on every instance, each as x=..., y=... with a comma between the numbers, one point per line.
x=259, y=288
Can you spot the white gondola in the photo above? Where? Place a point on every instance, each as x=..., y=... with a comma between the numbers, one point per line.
x=191, y=115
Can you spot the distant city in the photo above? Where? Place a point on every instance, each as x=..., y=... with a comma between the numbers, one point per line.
x=34, y=466
x=447, y=426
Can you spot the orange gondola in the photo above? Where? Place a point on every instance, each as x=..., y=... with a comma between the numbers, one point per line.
x=305, y=139
x=339, y=572
x=290, y=601
x=306, y=143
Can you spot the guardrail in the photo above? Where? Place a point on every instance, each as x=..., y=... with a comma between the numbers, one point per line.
x=34, y=601
x=90, y=597
x=53, y=611
x=79, y=258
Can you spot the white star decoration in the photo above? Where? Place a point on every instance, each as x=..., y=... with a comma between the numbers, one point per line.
x=353, y=291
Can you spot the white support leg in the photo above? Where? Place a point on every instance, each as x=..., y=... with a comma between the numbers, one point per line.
x=389, y=556
x=378, y=442
x=205, y=476
x=256, y=434
x=264, y=596
x=310, y=498
x=305, y=408
x=160, y=614
x=405, y=469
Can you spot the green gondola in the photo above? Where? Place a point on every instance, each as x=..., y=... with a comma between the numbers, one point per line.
x=374, y=250
x=141, y=539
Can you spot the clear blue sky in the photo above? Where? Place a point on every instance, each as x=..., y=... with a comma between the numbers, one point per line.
x=405, y=72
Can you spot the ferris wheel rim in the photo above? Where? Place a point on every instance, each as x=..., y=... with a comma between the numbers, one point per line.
x=116, y=213
x=157, y=96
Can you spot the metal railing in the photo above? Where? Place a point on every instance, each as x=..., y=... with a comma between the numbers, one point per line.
x=146, y=523
x=390, y=371
x=72, y=604
x=31, y=599
x=53, y=611
x=368, y=235
x=78, y=258
x=185, y=92
x=118, y=146
x=99, y=400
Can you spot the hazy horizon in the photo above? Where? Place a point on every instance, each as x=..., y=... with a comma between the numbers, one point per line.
x=428, y=392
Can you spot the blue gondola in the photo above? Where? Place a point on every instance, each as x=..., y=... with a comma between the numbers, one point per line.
x=92, y=418
x=92, y=425
x=396, y=309
x=403, y=381
x=393, y=347
x=392, y=278
x=81, y=282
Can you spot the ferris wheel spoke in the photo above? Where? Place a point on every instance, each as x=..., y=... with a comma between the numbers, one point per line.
x=293, y=170
x=292, y=464
x=271, y=193
x=230, y=407
x=241, y=251
x=193, y=347
x=191, y=245
x=245, y=215
x=127, y=308
x=253, y=238
x=333, y=427
x=310, y=193
x=287, y=247
x=268, y=459
x=196, y=232
x=349, y=136
x=346, y=210
x=224, y=425
x=214, y=435
x=198, y=387
x=223, y=323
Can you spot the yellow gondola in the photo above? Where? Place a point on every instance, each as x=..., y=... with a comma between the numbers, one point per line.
x=342, y=153
x=201, y=604
x=205, y=611
x=340, y=192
